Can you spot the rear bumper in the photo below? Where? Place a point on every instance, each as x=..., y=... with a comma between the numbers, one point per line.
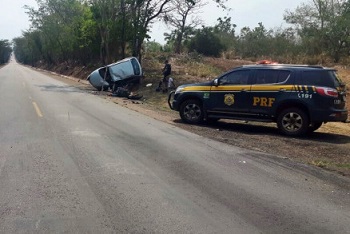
x=330, y=116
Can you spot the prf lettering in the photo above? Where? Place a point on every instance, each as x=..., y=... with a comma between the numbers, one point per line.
x=263, y=101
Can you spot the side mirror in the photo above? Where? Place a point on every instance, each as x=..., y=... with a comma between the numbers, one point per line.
x=216, y=82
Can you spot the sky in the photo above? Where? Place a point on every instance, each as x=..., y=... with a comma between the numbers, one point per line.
x=13, y=18
x=243, y=13
x=249, y=13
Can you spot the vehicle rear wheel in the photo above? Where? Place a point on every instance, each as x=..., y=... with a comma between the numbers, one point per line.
x=314, y=126
x=191, y=111
x=293, y=122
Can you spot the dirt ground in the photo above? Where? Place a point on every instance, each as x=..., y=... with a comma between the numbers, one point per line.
x=327, y=148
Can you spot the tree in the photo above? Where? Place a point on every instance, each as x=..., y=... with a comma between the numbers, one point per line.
x=58, y=22
x=105, y=13
x=255, y=43
x=83, y=30
x=143, y=12
x=5, y=51
x=206, y=42
x=323, y=26
x=225, y=30
x=178, y=17
x=171, y=38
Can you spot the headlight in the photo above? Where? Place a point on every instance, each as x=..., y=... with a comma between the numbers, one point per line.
x=179, y=90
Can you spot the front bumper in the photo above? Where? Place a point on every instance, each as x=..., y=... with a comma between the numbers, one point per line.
x=171, y=99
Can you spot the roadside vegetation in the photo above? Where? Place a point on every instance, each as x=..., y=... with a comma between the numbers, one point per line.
x=5, y=51
x=98, y=32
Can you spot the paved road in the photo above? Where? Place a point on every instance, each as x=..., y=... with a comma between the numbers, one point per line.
x=73, y=162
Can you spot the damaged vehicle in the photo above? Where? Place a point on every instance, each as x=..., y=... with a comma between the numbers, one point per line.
x=126, y=72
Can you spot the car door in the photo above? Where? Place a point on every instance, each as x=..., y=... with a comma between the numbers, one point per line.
x=268, y=89
x=229, y=95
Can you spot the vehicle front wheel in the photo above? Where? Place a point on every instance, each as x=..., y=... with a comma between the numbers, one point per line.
x=293, y=122
x=191, y=111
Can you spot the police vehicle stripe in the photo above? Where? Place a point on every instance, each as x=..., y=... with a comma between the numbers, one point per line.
x=253, y=88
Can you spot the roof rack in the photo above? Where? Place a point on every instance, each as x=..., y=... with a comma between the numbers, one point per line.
x=284, y=65
x=301, y=65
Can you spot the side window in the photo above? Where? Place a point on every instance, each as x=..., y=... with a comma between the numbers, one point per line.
x=318, y=78
x=271, y=76
x=235, y=78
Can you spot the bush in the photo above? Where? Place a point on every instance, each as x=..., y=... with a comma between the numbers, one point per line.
x=205, y=42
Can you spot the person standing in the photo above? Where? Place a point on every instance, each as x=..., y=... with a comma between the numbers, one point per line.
x=166, y=73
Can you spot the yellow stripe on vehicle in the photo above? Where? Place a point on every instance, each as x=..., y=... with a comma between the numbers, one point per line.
x=197, y=88
x=272, y=87
x=243, y=87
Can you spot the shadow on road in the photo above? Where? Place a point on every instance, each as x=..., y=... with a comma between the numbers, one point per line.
x=62, y=88
x=269, y=129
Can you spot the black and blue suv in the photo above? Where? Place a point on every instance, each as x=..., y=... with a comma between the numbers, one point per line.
x=299, y=98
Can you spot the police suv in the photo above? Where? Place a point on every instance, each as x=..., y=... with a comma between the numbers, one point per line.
x=299, y=98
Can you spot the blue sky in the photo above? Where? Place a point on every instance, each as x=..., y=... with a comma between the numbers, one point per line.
x=243, y=13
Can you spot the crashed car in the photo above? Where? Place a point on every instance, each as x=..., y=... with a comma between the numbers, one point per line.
x=120, y=74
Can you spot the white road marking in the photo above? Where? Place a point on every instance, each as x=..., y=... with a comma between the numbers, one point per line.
x=86, y=133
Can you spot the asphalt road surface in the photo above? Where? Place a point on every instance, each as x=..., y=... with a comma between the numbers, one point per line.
x=73, y=162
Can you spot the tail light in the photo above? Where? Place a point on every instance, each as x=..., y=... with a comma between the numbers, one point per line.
x=327, y=92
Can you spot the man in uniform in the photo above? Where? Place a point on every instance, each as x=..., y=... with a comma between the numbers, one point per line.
x=166, y=73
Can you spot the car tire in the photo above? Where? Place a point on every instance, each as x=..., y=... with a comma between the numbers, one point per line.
x=314, y=126
x=293, y=122
x=191, y=111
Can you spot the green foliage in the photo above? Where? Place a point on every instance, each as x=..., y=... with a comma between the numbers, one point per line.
x=5, y=51
x=86, y=31
x=179, y=19
x=61, y=30
x=323, y=26
x=78, y=30
x=153, y=46
x=206, y=42
x=225, y=31
x=255, y=43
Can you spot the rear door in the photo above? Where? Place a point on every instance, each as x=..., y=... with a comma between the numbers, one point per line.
x=329, y=91
x=268, y=89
